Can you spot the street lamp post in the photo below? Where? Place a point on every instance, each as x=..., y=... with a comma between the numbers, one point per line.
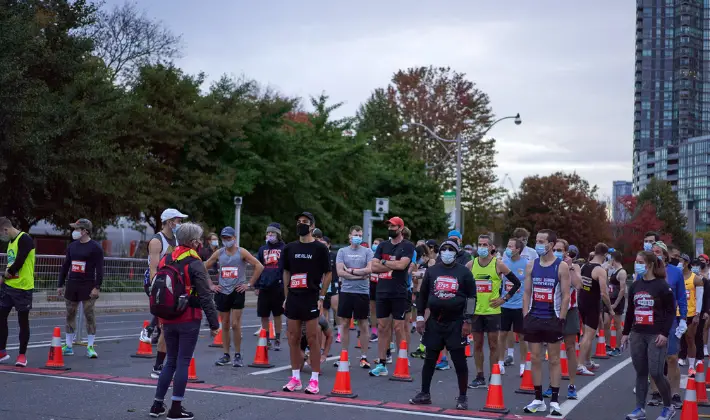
x=459, y=141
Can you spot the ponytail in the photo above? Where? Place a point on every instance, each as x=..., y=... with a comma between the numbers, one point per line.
x=659, y=269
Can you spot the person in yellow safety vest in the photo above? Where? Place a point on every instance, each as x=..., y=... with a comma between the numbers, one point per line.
x=16, y=285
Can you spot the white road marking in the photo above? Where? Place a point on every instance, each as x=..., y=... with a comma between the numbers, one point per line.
x=582, y=393
x=280, y=368
x=272, y=398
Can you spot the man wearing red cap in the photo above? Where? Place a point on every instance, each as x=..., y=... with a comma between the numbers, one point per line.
x=391, y=263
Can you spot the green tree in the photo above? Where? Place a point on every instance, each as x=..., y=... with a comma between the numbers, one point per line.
x=660, y=194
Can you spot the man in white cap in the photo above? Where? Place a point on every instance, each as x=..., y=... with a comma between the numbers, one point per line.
x=160, y=244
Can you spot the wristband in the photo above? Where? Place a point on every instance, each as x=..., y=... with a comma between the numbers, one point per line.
x=420, y=318
x=321, y=297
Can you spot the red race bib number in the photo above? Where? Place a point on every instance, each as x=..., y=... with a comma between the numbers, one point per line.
x=385, y=276
x=299, y=281
x=446, y=284
x=374, y=278
x=484, y=286
x=78, y=267
x=643, y=316
x=542, y=294
x=230, y=272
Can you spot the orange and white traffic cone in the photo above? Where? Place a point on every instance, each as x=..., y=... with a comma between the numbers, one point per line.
x=401, y=370
x=261, y=357
x=352, y=324
x=217, y=342
x=690, y=404
x=272, y=331
x=526, y=383
x=55, y=359
x=342, y=386
x=145, y=350
x=192, y=372
x=700, y=387
x=612, y=339
x=469, y=352
x=601, y=347
x=494, y=400
x=564, y=366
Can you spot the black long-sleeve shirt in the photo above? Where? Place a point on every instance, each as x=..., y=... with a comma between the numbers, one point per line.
x=444, y=291
x=200, y=279
x=84, y=262
x=651, y=308
x=25, y=244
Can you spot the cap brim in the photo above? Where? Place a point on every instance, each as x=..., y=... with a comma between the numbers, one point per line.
x=73, y=225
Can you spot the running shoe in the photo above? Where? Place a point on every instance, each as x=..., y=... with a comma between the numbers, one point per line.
x=535, y=406
x=294, y=384
x=145, y=335
x=691, y=372
x=155, y=373
x=508, y=361
x=413, y=330
x=547, y=393
x=502, y=368
x=312, y=387
x=477, y=383
x=182, y=415
x=421, y=398
x=637, y=414
x=667, y=413
x=21, y=361
x=238, y=362
x=336, y=363
x=379, y=370
x=337, y=339
x=364, y=363
x=277, y=344
x=462, y=402
x=676, y=402
x=67, y=351
x=655, y=400
x=389, y=357
x=614, y=352
x=373, y=338
x=224, y=360
x=592, y=366
x=583, y=371
x=157, y=409
x=682, y=362
x=418, y=354
x=443, y=365
x=91, y=353
x=555, y=409
x=4, y=357
x=571, y=392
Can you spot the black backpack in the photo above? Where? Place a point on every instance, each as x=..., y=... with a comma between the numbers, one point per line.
x=169, y=291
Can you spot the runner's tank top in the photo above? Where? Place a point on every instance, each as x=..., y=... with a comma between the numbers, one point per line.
x=232, y=270
x=589, y=294
x=546, y=299
x=689, y=296
x=614, y=286
x=167, y=245
x=488, y=286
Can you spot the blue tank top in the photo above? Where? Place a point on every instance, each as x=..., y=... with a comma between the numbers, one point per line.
x=546, y=298
x=517, y=268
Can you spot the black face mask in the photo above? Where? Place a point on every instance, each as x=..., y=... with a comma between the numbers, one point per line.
x=702, y=266
x=392, y=233
x=302, y=229
x=674, y=261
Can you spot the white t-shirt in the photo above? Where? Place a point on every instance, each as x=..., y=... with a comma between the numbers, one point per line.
x=529, y=253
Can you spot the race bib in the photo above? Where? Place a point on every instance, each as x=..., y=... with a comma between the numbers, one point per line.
x=385, y=276
x=644, y=316
x=446, y=284
x=78, y=267
x=484, y=286
x=587, y=283
x=299, y=281
x=687, y=294
x=230, y=272
x=374, y=278
x=542, y=294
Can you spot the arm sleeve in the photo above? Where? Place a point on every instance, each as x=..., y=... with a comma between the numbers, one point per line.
x=516, y=283
x=24, y=245
x=630, y=307
x=200, y=280
x=99, y=265
x=669, y=310
x=423, y=294
x=680, y=296
x=65, y=267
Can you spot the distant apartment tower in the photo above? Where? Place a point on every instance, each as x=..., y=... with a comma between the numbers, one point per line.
x=672, y=94
x=621, y=189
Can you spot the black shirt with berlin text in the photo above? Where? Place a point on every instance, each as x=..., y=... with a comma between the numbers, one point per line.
x=393, y=284
x=307, y=263
x=444, y=292
x=651, y=308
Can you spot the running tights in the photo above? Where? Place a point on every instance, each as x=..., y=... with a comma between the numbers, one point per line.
x=458, y=357
x=23, y=319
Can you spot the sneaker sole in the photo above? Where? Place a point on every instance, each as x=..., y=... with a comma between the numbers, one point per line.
x=313, y=392
x=155, y=375
x=298, y=388
x=21, y=364
x=155, y=416
x=378, y=374
x=419, y=403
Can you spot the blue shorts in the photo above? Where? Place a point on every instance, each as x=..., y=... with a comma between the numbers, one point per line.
x=673, y=341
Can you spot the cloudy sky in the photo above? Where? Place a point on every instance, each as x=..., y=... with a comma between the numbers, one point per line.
x=565, y=66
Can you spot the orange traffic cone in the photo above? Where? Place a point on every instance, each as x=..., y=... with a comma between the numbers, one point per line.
x=441, y=357
x=612, y=339
x=401, y=371
x=261, y=358
x=272, y=331
x=690, y=404
x=217, y=342
x=55, y=359
x=494, y=400
x=342, y=386
x=564, y=367
x=145, y=350
x=358, y=344
x=352, y=324
x=526, y=383
x=192, y=372
x=601, y=347
x=701, y=390
x=469, y=352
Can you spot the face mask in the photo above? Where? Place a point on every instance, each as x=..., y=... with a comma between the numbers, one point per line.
x=702, y=266
x=356, y=240
x=482, y=252
x=541, y=249
x=675, y=261
x=302, y=229
x=660, y=257
x=374, y=248
x=393, y=233
x=640, y=269
x=509, y=253
x=680, y=265
x=175, y=229
x=447, y=257
x=272, y=239
x=647, y=246
x=695, y=269
x=76, y=235
x=215, y=244
x=559, y=254
x=229, y=244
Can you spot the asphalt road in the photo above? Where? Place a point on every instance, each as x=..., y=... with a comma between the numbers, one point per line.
x=116, y=386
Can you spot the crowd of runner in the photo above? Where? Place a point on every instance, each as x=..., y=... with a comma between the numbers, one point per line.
x=450, y=294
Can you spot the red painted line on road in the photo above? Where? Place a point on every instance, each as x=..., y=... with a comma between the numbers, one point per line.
x=474, y=413
x=200, y=386
x=412, y=407
x=297, y=396
x=354, y=401
x=253, y=391
x=142, y=381
x=96, y=376
x=511, y=416
x=36, y=370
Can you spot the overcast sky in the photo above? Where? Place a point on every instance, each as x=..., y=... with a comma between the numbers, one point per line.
x=565, y=66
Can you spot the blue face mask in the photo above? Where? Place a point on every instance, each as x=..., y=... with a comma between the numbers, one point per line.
x=482, y=252
x=559, y=254
x=447, y=257
x=509, y=253
x=374, y=248
x=356, y=240
x=695, y=270
x=640, y=269
x=647, y=246
x=540, y=249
